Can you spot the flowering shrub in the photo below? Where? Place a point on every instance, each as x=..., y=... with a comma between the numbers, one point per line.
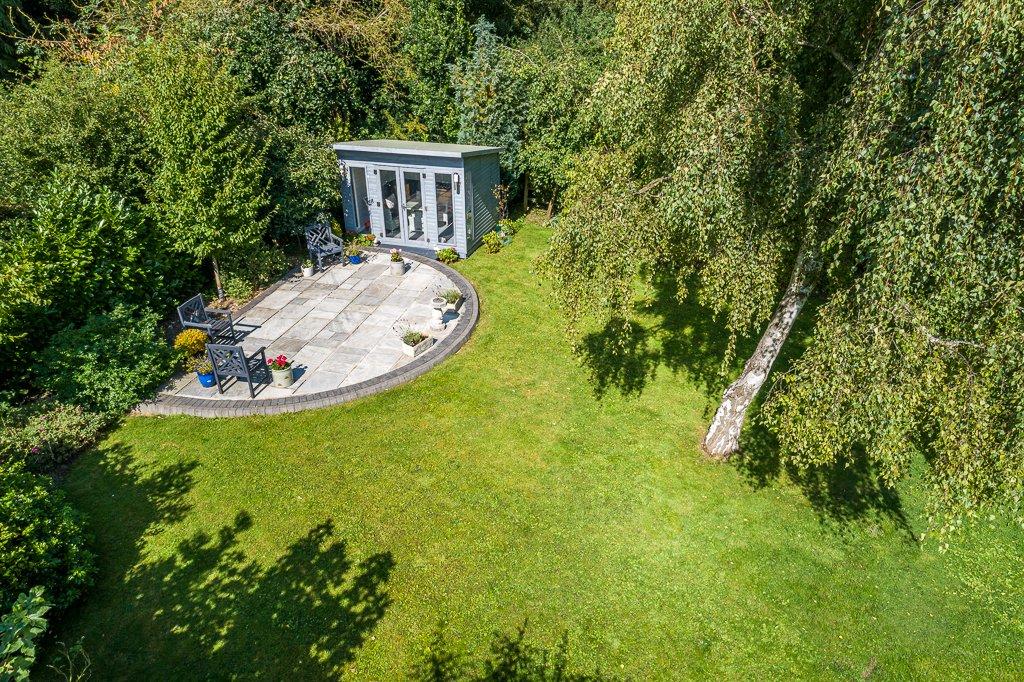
x=191, y=342
x=396, y=256
x=367, y=239
x=280, y=362
x=47, y=434
x=447, y=255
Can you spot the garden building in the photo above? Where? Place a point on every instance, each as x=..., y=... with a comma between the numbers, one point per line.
x=419, y=195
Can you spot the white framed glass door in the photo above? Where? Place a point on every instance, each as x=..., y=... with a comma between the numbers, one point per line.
x=414, y=231
x=391, y=203
x=402, y=209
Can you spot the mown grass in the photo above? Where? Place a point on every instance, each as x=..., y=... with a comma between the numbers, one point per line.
x=500, y=487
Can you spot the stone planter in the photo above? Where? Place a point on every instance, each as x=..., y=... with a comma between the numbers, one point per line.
x=397, y=268
x=282, y=378
x=308, y=272
x=413, y=351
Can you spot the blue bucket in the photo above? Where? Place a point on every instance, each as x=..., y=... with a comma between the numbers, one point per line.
x=206, y=380
x=355, y=260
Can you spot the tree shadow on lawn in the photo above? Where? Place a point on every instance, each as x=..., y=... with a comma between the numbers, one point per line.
x=841, y=494
x=686, y=338
x=206, y=609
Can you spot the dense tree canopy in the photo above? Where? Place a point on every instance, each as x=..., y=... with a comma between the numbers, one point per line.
x=872, y=150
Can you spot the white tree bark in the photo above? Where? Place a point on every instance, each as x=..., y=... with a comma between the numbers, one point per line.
x=723, y=437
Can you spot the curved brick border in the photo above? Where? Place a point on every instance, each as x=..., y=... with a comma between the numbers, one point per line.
x=206, y=407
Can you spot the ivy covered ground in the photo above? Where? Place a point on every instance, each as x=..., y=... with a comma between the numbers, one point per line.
x=514, y=484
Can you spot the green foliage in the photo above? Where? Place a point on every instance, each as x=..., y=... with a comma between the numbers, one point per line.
x=208, y=189
x=558, y=67
x=700, y=175
x=492, y=242
x=490, y=106
x=245, y=274
x=918, y=350
x=46, y=433
x=108, y=364
x=18, y=632
x=41, y=539
x=89, y=245
x=447, y=255
x=435, y=37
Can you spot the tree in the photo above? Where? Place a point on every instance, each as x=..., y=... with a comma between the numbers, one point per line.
x=558, y=67
x=918, y=350
x=208, y=188
x=490, y=105
x=708, y=137
x=748, y=153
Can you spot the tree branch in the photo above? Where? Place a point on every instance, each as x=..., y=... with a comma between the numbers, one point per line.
x=832, y=51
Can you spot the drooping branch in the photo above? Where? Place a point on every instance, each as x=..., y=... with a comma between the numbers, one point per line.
x=832, y=51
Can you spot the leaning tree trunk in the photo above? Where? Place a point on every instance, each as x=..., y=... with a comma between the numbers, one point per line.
x=723, y=437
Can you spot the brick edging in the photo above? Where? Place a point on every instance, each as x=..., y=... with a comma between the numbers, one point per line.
x=209, y=407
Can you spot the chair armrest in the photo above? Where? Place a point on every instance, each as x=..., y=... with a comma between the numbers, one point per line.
x=220, y=312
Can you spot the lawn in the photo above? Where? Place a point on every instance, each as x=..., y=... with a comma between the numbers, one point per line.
x=510, y=484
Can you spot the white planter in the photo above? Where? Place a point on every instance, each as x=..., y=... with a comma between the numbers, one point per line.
x=413, y=351
x=308, y=272
x=398, y=268
x=282, y=377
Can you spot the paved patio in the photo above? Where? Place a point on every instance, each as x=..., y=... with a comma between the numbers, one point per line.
x=338, y=327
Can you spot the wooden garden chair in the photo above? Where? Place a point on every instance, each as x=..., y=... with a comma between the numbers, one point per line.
x=232, y=362
x=194, y=314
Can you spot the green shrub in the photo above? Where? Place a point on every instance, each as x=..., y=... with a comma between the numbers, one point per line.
x=108, y=364
x=510, y=227
x=18, y=632
x=47, y=433
x=42, y=540
x=492, y=242
x=448, y=255
x=245, y=274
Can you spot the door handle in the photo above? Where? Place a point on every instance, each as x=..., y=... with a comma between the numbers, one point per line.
x=378, y=203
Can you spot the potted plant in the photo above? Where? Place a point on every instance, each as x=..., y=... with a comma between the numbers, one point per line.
x=397, y=263
x=204, y=372
x=308, y=268
x=414, y=342
x=447, y=255
x=354, y=254
x=281, y=371
x=451, y=297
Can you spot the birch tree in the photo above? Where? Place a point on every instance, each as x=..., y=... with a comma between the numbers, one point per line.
x=752, y=151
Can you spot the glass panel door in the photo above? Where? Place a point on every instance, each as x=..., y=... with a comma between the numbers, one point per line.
x=362, y=201
x=413, y=207
x=392, y=211
x=445, y=208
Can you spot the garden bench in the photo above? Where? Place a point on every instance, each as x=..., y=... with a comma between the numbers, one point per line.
x=232, y=362
x=194, y=314
x=322, y=242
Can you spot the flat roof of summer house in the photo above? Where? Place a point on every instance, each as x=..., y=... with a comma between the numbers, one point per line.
x=416, y=148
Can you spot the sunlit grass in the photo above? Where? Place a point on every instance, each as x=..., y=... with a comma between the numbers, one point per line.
x=499, y=488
